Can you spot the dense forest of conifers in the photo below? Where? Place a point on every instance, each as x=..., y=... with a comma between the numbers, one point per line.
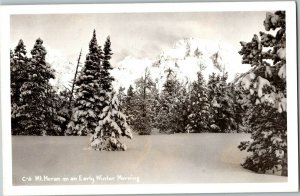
x=201, y=106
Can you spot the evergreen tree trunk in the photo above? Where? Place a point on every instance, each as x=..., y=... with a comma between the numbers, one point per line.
x=74, y=80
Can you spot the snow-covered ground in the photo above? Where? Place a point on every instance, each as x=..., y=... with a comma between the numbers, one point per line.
x=178, y=158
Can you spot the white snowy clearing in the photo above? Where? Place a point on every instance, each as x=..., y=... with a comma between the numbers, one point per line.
x=178, y=158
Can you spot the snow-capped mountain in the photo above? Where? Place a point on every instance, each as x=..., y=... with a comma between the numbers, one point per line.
x=186, y=58
x=64, y=69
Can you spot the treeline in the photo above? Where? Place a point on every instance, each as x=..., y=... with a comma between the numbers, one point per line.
x=201, y=106
x=38, y=109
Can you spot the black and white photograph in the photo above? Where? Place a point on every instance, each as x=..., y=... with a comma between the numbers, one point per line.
x=151, y=95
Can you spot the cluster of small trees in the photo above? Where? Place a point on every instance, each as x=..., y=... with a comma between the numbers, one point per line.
x=96, y=110
x=213, y=106
x=37, y=109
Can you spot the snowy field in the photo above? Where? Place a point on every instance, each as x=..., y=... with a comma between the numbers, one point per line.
x=178, y=158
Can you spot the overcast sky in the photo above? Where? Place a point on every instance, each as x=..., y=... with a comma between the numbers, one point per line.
x=139, y=35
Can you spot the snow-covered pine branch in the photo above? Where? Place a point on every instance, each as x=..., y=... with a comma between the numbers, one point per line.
x=267, y=54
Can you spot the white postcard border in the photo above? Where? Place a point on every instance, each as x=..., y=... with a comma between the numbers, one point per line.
x=291, y=185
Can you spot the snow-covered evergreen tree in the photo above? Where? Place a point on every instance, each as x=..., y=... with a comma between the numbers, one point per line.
x=53, y=106
x=166, y=122
x=269, y=140
x=112, y=122
x=18, y=66
x=105, y=78
x=14, y=108
x=154, y=104
x=143, y=100
x=221, y=104
x=266, y=83
x=63, y=115
x=112, y=126
x=181, y=109
x=34, y=113
x=129, y=106
x=88, y=102
x=239, y=107
x=198, y=119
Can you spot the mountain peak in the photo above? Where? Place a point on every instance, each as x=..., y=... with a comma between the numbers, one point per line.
x=186, y=58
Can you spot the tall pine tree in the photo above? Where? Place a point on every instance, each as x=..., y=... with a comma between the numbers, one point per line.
x=112, y=123
x=105, y=78
x=181, y=109
x=18, y=66
x=266, y=83
x=52, y=103
x=144, y=100
x=166, y=122
x=62, y=106
x=221, y=105
x=88, y=102
x=198, y=119
x=34, y=112
x=129, y=106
